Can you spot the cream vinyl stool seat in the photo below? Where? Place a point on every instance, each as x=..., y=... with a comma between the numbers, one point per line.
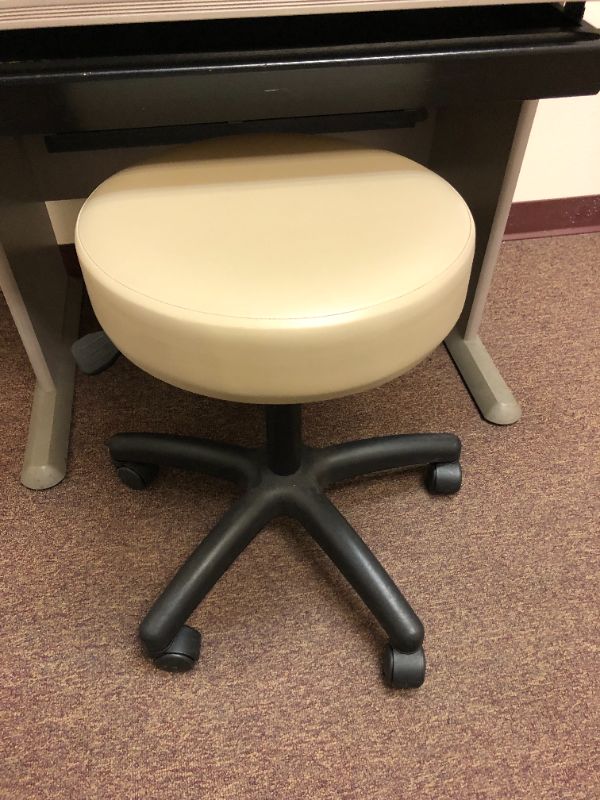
x=278, y=269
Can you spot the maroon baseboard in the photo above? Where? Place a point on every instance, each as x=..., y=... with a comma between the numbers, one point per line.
x=560, y=217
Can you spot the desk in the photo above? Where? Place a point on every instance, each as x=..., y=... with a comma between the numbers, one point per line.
x=454, y=87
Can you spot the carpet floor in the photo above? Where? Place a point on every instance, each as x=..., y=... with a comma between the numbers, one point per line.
x=287, y=700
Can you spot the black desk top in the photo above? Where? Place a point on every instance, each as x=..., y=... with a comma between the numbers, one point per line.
x=183, y=73
x=39, y=53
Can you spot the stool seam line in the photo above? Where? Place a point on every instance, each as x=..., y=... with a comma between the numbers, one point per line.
x=274, y=319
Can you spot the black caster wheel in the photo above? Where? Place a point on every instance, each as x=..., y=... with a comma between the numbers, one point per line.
x=182, y=653
x=444, y=478
x=136, y=476
x=403, y=670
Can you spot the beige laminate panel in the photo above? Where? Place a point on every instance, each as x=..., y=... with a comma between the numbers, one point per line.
x=45, y=13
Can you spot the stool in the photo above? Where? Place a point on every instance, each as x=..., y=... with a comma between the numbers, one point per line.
x=278, y=269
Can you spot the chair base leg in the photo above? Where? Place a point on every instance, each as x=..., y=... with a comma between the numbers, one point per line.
x=287, y=478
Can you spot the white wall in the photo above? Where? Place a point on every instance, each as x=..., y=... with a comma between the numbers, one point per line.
x=563, y=154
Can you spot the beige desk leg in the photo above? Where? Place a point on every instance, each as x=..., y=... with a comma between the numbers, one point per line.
x=45, y=460
x=485, y=383
x=45, y=304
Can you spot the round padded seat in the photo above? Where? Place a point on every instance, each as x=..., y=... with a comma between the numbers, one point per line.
x=276, y=268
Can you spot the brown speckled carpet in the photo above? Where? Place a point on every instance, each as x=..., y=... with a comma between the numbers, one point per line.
x=287, y=701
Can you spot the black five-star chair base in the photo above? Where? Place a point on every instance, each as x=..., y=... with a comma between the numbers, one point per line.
x=285, y=478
